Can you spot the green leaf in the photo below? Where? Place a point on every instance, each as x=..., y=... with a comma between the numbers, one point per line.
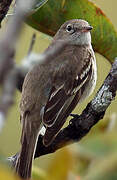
x=103, y=169
x=99, y=145
x=38, y=174
x=49, y=18
x=97, y=156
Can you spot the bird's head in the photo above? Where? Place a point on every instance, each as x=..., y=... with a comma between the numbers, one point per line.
x=76, y=31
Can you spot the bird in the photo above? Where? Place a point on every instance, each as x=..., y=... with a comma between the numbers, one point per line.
x=51, y=91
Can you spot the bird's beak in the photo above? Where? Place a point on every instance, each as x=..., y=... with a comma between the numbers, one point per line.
x=87, y=28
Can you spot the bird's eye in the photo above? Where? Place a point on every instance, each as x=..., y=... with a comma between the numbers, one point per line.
x=69, y=28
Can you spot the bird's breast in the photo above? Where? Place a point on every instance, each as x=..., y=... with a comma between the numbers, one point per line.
x=90, y=78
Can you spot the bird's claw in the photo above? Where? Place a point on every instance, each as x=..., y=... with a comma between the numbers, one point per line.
x=75, y=117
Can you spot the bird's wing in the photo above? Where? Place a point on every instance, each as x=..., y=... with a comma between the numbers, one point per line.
x=52, y=131
x=60, y=105
x=54, y=105
x=61, y=117
x=57, y=98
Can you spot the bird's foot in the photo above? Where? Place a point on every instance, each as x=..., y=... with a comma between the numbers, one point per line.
x=75, y=117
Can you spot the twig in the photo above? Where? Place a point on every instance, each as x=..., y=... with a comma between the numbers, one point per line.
x=8, y=91
x=32, y=43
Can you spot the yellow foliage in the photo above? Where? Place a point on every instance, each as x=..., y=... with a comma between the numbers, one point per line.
x=61, y=166
x=6, y=174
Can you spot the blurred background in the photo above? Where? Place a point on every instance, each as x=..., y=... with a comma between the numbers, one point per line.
x=10, y=137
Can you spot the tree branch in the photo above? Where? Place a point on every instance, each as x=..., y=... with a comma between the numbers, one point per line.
x=93, y=112
x=78, y=128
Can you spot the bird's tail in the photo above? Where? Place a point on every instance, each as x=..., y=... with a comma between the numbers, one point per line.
x=24, y=161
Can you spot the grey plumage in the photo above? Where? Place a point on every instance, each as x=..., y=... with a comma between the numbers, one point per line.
x=52, y=91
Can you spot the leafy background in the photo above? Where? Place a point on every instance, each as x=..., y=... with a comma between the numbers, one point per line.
x=95, y=156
